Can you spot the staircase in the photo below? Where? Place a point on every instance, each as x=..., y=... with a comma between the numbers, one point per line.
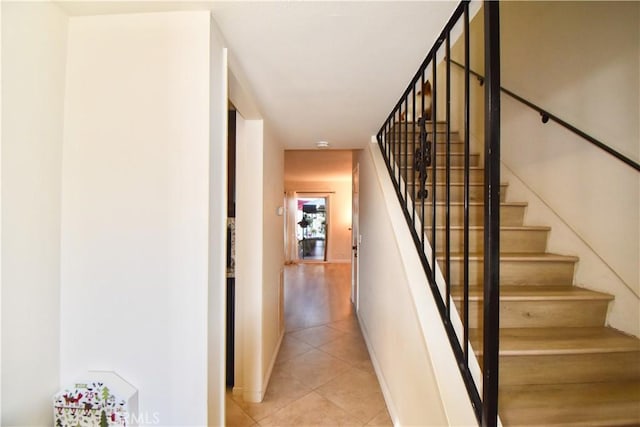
x=559, y=363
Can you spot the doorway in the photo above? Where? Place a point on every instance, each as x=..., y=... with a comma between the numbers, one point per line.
x=311, y=229
x=355, y=235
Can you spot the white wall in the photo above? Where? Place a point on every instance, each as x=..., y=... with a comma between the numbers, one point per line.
x=34, y=38
x=476, y=92
x=259, y=256
x=135, y=207
x=273, y=251
x=218, y=130
x=249, y=259
x=407, y=342
x=580, y=61
x=259, y=242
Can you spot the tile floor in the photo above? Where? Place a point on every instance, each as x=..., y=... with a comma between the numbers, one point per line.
x=323, y=375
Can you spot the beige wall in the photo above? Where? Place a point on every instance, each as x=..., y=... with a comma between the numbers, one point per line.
x=273, y=251
x=476, y=92
x=216, y=306
x=259, y=256
x=135, y=254
x=580, y=61
x=406, y=340
x=34, y=38
x=249, y=259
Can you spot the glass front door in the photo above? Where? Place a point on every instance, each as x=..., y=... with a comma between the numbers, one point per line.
x=311, y=231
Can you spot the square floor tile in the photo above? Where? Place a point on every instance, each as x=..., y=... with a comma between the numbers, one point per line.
x=234, y=415
x=318, y=335
x=381, y=420
x=357, y=392
x=314, y=368
x=351, y=349
x=291, y=347
x=349, y=325
x=282, y=390
x=311, y=410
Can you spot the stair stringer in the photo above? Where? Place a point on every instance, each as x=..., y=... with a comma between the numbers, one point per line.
x=441, y=358
x=592, y=272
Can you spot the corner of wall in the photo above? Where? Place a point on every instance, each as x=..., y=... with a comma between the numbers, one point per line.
x=34, y=45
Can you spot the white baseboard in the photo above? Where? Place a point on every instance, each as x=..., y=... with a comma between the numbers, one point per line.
x=257, y=396
x=274, y=357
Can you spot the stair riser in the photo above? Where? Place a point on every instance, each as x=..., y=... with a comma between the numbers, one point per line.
x=441, y=138
x=571, y=368
x=514, y=241
x=476, y=176
x=414, y=135
x=455, y=146
x=455, y=160
x=509, y=214
x=413, y=127
x=476, y=192
x=542, y=313
x=517, y=272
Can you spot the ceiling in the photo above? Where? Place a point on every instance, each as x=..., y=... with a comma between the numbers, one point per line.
x=317, y=70
x=317, y=166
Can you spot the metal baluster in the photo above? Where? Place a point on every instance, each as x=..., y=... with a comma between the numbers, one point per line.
x=447, y=238
x=390, y=137
x=423, y=140
x=400, y=145
x=413, y=161
x=392, y=144
x=466, y=186
x=434, y=152
x=406, y=153
x=492, y=214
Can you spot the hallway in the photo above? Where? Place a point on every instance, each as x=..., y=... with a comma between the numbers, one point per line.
x=323, y=374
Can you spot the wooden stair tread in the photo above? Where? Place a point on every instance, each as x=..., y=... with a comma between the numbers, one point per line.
x=401, y=156
x=561, y=365
x=601, y=404
x=537, y=395
x=455, y=139
x=441, y=149
x=416, y=128
x=502, y=227
x=556, y=341
x=459, y=184
x=438, y=122
x=541, y=257
x=442, y=167
x=475, y=203
x=534, y=293
x=416, y=131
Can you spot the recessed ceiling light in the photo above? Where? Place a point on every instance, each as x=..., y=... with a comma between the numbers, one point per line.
x=322, y=144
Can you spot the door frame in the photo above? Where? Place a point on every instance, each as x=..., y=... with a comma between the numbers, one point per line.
x=327, y=197
x=355, y=236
